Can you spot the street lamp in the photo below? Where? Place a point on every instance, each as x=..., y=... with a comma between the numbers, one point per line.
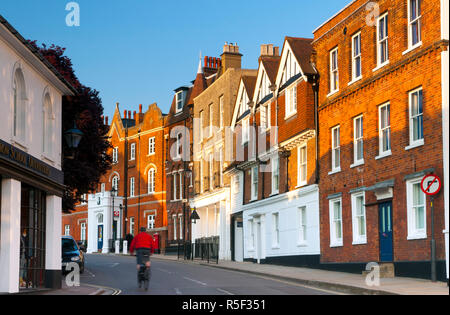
x=195, y=216
x=73, y=138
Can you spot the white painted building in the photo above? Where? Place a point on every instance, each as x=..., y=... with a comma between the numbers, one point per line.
x=30, y=165
x=104, y=220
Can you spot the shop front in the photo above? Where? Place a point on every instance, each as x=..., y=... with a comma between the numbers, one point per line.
x=30, y=222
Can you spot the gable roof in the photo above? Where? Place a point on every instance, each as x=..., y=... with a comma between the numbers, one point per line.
x=246, y=85
x=271, y=65
x=302, y=50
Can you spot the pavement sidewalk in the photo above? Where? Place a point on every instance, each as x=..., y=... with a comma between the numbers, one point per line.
x=330, y=280
x=65, y=290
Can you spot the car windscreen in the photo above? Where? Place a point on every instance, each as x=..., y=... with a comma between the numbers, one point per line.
x=68, y=245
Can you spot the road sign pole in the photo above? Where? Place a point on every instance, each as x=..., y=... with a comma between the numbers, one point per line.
x=433, y=244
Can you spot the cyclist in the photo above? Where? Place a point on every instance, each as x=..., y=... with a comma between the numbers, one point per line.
x=143, y=244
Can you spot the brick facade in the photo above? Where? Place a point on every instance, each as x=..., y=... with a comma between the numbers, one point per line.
x=406, y=71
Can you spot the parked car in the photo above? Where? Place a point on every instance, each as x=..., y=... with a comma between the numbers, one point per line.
x=71, y=253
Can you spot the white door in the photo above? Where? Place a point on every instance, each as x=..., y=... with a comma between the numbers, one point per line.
x=238, y=242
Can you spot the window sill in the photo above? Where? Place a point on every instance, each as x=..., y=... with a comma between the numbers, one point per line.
x=151, y=154
x=332, y=93
x=274, y=193
x=290, y=115
x=356, y=164
x=360, y=242
x=381, y=66
x=48, y=159
x=417, y=237
x=338, y=170
x=355, y=80
x=334, y=245
x=301, y=185
x=412, y=48
x=19, y=143
x=277, y=246
x=302, y=244
x=415, y=145
x=383, y=155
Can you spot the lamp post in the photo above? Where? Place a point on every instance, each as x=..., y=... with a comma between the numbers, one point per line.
x=113, y=194
x=73, y=138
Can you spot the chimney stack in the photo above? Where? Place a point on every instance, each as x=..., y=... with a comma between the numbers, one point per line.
x=270, y=50
x=107, y=121
x=134, y=115
x=231, y=58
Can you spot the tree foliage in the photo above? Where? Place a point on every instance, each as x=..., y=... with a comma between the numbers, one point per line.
x=82, y=174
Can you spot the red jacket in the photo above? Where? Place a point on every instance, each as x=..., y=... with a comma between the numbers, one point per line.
x=142, y=240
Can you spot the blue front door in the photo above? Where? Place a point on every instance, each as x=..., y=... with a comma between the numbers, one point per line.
x=100, y=238
x=386, y=235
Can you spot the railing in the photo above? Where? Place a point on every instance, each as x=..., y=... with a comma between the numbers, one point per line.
x=206, y=249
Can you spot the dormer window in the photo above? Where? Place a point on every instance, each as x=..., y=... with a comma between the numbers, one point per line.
x=180, y=101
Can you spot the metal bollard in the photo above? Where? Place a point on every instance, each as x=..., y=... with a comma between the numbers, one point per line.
x=117, y=246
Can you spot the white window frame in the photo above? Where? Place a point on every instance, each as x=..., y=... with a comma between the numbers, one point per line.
x=175, y=187
x=221, y=123
x=221, y=166
x=335, y=241
x=254, y=183
x=132, y=151
x=115, y=184
x=382, y=130
x=418, y=142
x=415, y=233
x=275, y=230
x=359, y=238
x=302, y=166
x=245, y=130
x=291, y=101
x=151, y=146
x=132, y=226
x=181, y=185
x=211, y=120
x=275, y=164
x=179, y=145
x=334, y=71
x=48, y=126
x=211, y=170
x=355, y=57
x=335, y=150
x=67, y=230
x=151, y=221
x=83, y=231
x=115, y=156
x=179, y=102
x=417, y=20
x=358, y=140
x=302, y=226
x=151, y=176
x=380, y=41
x=175, y=230
x=132, y=188
x=180, y=221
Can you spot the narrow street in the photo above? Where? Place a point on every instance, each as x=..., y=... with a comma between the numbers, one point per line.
x=174, y=278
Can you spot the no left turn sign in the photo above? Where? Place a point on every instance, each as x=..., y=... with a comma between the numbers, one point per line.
x=431, y=185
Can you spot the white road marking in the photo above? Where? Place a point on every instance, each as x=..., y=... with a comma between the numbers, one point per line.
x=164, y=270
x=114, y=265
x=178, y=292
x=224, y=291
x=196, y=281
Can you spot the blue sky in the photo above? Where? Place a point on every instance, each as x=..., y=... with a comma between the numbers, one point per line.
x=138, y=51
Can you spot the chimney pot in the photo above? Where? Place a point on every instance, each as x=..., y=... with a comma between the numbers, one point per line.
x=124, y=114
x=140, y=108
x=129, y=114
x=107, y=121
x=134, y=115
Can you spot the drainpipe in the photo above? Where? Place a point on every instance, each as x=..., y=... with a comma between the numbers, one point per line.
x=315, y=86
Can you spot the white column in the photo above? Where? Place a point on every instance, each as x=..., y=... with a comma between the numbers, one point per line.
x=53, y=233
x=107, y=227
x=10, y=236
x=445, y=119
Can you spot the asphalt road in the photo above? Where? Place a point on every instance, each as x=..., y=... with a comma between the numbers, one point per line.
x=175, y=278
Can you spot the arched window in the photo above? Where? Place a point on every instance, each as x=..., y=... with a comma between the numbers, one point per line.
x=115, y=184
x=48, y=125
x=19, y=110
x=151, y=180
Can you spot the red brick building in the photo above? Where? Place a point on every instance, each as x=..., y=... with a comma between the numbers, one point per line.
x=380, y=113
x=179, y=152
x=132, y=194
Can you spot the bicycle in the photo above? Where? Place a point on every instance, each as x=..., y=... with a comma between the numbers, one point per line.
x=144, y=272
